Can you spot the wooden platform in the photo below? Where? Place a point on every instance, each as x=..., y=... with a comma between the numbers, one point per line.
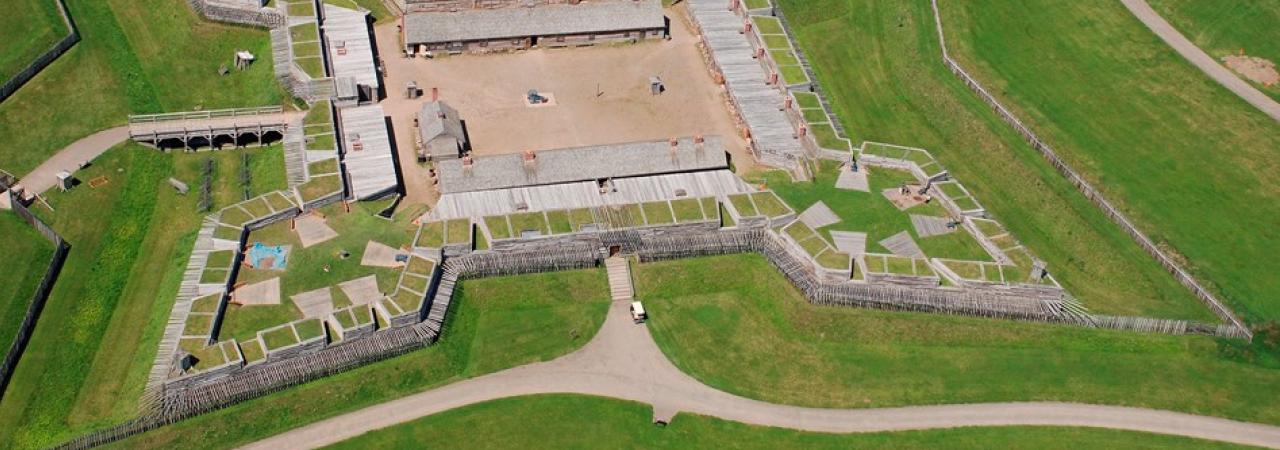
x=818, y=216
x=901, y=244
x=931, y=225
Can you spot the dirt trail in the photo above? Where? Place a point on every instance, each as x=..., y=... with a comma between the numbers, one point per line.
x=1203, y=61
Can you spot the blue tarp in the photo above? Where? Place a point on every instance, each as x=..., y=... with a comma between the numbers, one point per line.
x=278, y=254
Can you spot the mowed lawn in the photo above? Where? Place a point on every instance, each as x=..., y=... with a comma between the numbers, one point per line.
x=576, y=421
x=88, y=360
x=136, y=56
x=879, y=62
x=28, y=254
x=1227, y=28
x=495, y=323
x=28, y=28
x=1191, y=163
x=763, y=340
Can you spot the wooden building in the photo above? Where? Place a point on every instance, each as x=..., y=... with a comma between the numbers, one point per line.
x=490, y=30
x=440, y=132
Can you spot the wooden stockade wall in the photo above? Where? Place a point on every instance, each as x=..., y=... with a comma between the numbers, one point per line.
x=41, y=295
x=1089, y=191
x=22, y=77
x=981, y=303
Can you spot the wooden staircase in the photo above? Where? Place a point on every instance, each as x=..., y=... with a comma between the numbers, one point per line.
x=619, y=279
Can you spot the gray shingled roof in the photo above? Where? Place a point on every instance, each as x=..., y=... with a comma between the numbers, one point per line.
x=431, y=126
x=342, y=25
x=549, y=20
x=582, y=164
x=373, y=168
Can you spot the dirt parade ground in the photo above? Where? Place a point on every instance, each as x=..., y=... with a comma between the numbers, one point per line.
x=601, y=95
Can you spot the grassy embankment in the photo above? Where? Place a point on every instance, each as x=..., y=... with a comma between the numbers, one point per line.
x=1227, y=28
x=1191, y=163
x=729, y=334
x=88, y=360
x=556, y=421
x=27, y=256
x=135, y=56
x=496, y=323
x=879, y=62
x=28, y=28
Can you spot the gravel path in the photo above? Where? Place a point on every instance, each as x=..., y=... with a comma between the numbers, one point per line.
x=1197, y=57
x=622, y=361
x=69, y=159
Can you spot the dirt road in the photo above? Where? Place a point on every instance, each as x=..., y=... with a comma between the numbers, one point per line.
x=45, y=176
x=1198, y=58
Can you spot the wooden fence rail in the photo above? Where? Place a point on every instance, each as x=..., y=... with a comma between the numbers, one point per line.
x=1094, y=196
x=41, y=295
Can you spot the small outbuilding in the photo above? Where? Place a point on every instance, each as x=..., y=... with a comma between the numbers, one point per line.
x=440, y=132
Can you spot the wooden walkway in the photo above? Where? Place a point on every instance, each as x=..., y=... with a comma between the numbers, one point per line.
x=901, y=244
x=152, y=129
x=295, y=153
x=818, y=216
x=188, y=290
x=931, y=225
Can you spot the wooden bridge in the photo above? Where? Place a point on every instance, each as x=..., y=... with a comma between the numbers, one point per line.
x=212, y=128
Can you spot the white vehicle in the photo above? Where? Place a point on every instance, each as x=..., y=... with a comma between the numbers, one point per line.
x=637, y=313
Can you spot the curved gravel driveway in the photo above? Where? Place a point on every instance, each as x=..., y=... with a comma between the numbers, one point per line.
x=1198, y=58
x=622, y=361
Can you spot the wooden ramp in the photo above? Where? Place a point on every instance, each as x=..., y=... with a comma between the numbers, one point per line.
x=853, y=181
x=901, y=244
x=818, y=216
x=851, y=242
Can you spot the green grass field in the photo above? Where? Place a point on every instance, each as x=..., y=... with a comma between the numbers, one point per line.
x=88, y=360
x=1189, y=161
x=557, y=421
x=28, y=28
x=496, y=323
x=30, y=254
x=1226, y=28
x=878, y=60
x=729, y=335
x=136, y=56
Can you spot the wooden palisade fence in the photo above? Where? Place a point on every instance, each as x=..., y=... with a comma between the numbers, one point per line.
x=23, y=76
x=41, y=295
